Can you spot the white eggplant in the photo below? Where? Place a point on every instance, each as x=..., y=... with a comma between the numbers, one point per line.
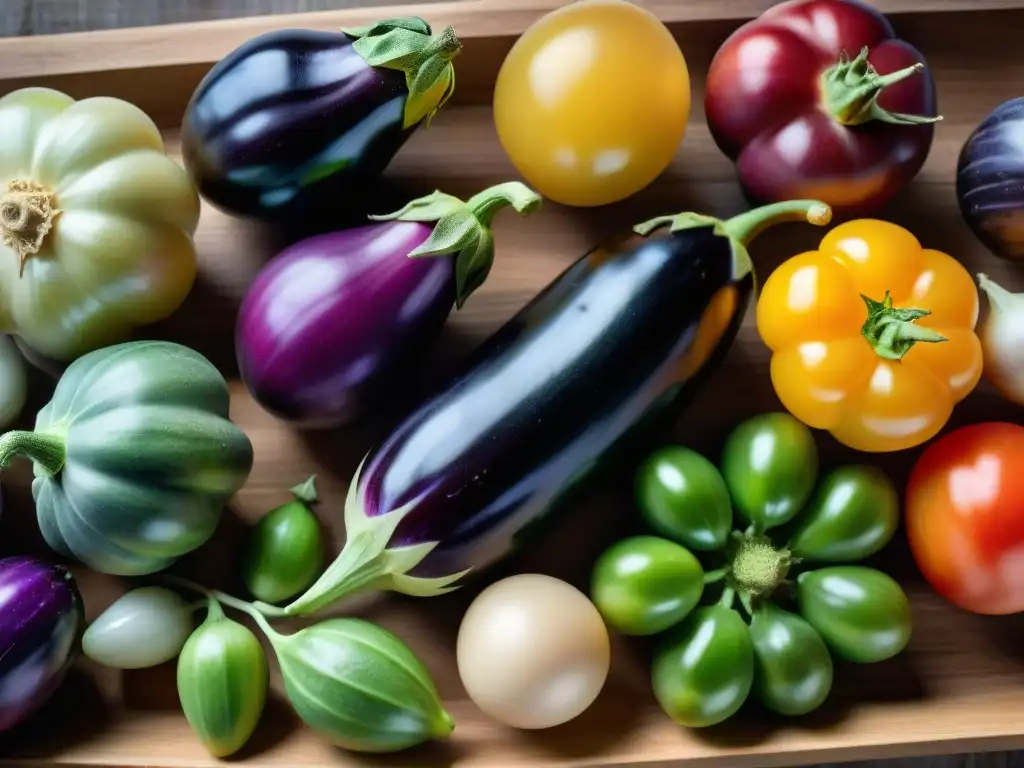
x=1002, y=340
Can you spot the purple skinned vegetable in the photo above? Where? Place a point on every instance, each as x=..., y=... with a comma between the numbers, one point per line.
x=990, y=180
x=334, y=322
x=41, y=620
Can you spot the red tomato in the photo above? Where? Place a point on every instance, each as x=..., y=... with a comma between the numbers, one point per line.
x=965, y=517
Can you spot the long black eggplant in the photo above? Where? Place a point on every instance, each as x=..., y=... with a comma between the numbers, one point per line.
x=298, y=121
x=607, y=354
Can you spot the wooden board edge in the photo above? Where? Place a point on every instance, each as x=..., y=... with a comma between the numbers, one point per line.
x=206, y=42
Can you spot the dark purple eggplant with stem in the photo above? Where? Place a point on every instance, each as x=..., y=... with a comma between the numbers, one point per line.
x=583, y=376
x=336, y=323
x=297, y=121
x=41, y=623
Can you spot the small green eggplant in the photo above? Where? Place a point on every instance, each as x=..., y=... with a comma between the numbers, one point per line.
x=360, y=686
x=285, y=550
x=222, y=682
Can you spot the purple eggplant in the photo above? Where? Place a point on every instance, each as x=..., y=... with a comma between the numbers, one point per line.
x=41, y=621
x=581, y=378
x=296, y=121
x=990, y=180
x=332, y=325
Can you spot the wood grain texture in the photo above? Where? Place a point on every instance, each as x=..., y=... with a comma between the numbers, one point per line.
x=958, y=688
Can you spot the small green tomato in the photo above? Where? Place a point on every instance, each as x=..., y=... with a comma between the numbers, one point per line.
x=853, y=514
x=645, y=584
x=284, y=552
x=862, y=614
x=683, y=497
x=793, y=670
x=770, y=465
x=705, y=669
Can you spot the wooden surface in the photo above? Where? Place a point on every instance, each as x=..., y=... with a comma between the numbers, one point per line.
x=958, y=688
x=44, y=17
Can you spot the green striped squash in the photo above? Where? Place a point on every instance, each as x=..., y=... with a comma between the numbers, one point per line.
x=134, y=457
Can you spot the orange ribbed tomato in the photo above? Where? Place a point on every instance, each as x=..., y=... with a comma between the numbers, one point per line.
x=872, y=336
x=592, y=102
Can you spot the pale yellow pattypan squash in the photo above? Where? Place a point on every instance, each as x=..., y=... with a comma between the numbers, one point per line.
x=96, y=222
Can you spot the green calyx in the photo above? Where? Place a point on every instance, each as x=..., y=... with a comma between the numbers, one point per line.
x=305, y=492
x=406, y=44
x=743, y=228
x=757, y=567
x=46, y=450
x=464, y=229
x=891, y=332
x=850, y=91
x=367, y=563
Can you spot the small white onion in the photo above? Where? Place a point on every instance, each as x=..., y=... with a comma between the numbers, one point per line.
x=1002, y=340
x=146, y=627
x=532, y=651
x=13, y=381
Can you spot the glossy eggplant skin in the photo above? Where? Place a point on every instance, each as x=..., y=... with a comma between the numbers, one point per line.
x=990, y=180
x=291, y=123
x=332, y=325
x=41, y=623
x=606, y=355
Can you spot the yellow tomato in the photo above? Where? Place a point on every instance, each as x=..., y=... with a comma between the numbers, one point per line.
x=592, y=101
x=872, y=336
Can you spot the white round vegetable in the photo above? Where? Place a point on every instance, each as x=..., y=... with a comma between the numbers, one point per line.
x=13, y=381
x=1002, y=340
x=533, y=651
x=146, y=627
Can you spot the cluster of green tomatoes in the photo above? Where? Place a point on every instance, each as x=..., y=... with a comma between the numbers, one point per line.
x=784, y=600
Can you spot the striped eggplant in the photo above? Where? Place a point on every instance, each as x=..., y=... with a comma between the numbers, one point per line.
x=606, y=354
x=332, y=325
x=989, y=176
x=298, y=120
x=41, y=620
x=134, y=457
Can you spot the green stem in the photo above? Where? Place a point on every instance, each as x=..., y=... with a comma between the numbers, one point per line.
x=306, y=492
x=727, y=598
x=850, y=91
x=222, y=597
x=713, y=577
x=464, y=229
x=743, y=228
x=214, y=611
x=746, y=226
x=405, y=44
x=47, y=451
x=516, y=194
x=891, y=331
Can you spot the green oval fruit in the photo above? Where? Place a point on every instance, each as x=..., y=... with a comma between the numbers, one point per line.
x=284, y=552
x=770, y=465
x=360, y=686
x=683, y=497
x=134, y=456
x=793, y=668
x=853, y=514
x=861, y=613
x=704, y=671
x=645, y=584
x=222, y=683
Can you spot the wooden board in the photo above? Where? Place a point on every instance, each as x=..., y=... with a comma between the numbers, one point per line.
x=958, y=688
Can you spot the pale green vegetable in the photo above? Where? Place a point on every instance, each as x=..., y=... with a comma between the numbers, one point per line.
x=96, y=222
x=13, y=381
x=360, y=686
x=222, y=682
x=143, y=628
